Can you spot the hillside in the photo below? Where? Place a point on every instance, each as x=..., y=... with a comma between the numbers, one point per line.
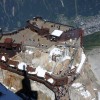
x=14, y=13
x=91, y=41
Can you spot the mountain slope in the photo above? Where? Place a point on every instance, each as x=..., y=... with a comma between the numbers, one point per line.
x=91, y=41
x=14, y=13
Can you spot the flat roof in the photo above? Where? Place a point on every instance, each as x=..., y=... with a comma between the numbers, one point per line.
x=57, y=33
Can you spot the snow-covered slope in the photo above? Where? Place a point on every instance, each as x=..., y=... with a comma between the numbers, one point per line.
x=94, y=60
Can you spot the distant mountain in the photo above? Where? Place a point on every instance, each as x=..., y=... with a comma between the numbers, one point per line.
x=14, y=13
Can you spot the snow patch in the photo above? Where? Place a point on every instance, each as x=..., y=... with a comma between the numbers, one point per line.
x=98, y=95
x=81, y=89
x=50, y=80
x=55, y=51
x=22, y=65
x=85, y=94
x=66, y=57
x=3, y=58
x=32, y=72
x=76, y=85
x=62, y=3
x=28, y=51
x=40, y=71
x=12, y=88
x=93, y=99
x=83, y=57
x=12, y=65
x=72, y=67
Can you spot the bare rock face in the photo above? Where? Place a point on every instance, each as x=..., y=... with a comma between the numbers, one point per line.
x=44, y=93
x=12, y=81
x=49, y=65
x=84, y=88
x=42, y=96
x=37, y=54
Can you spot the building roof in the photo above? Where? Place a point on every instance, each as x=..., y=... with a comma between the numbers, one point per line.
x=11, y=62
x=57, y=33
x=8, y=40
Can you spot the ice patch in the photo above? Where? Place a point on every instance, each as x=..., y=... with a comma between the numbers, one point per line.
x=85, y=94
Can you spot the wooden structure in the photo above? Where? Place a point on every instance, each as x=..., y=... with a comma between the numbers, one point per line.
x=72, y=33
